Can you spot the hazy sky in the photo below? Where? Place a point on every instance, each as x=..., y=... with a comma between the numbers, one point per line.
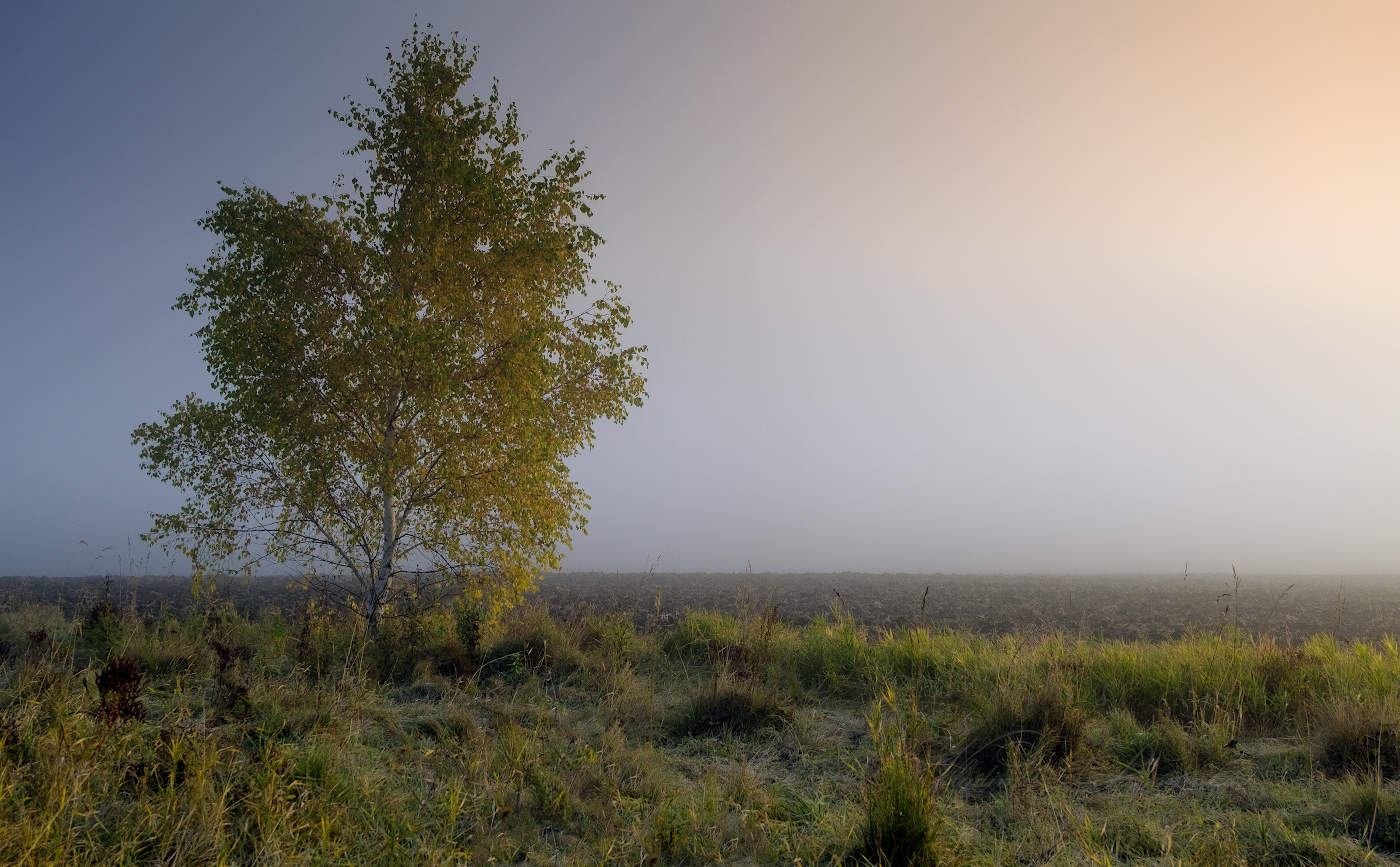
x=980, y=287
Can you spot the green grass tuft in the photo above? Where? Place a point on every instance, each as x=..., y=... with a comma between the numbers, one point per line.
x=1041, y=724
x=1360, y=738
x=735, y=710
x=1371, y=811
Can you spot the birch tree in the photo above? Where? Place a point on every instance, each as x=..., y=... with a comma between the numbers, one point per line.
x=400, y=369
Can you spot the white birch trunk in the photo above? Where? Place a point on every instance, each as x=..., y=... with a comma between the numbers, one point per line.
x=379, y=584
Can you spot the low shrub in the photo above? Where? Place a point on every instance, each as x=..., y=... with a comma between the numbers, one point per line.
x=119, y=691
x=467, y=621
x=229, y=692
x=397, y=646
x=413, y=644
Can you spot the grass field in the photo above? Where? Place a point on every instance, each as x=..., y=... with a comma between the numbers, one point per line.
x=593, y=736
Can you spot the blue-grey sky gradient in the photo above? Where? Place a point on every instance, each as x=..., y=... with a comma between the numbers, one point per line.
x=976, y=287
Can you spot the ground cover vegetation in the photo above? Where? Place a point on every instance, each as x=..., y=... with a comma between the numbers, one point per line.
x=224, y=737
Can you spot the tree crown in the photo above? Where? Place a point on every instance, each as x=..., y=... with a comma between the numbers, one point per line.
x=402, y=368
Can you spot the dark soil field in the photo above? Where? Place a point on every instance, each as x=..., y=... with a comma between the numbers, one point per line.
x=1127, y=606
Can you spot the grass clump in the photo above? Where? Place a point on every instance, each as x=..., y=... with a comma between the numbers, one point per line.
x=706, y=636
x=1266, y=839
x=1169, y=746
x=408, y=642
x=229, y=693
x=731, y=709
x=1360, y=738
x=833, y=657
x=900, y=817
x=1370, y=810
x=902, y=822
x=1041, y=724
x=612, y=636
x=1130, y=835
x=533, y=644
x=101, y=631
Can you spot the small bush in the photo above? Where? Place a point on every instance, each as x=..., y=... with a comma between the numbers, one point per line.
x=467, y=622
x=230, y=690
x=732, y=710
x=319, y=645
x=399, y=643
x=119, y=691
x=40, y=642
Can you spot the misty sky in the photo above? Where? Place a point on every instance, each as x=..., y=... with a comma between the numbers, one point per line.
x=976, y=287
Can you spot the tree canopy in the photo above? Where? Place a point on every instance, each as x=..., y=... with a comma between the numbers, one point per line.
x=401, y=368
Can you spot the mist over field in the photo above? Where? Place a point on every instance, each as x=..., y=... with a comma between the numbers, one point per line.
x=988, y=288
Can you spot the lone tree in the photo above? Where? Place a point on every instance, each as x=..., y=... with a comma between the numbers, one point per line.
x=402, y=368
